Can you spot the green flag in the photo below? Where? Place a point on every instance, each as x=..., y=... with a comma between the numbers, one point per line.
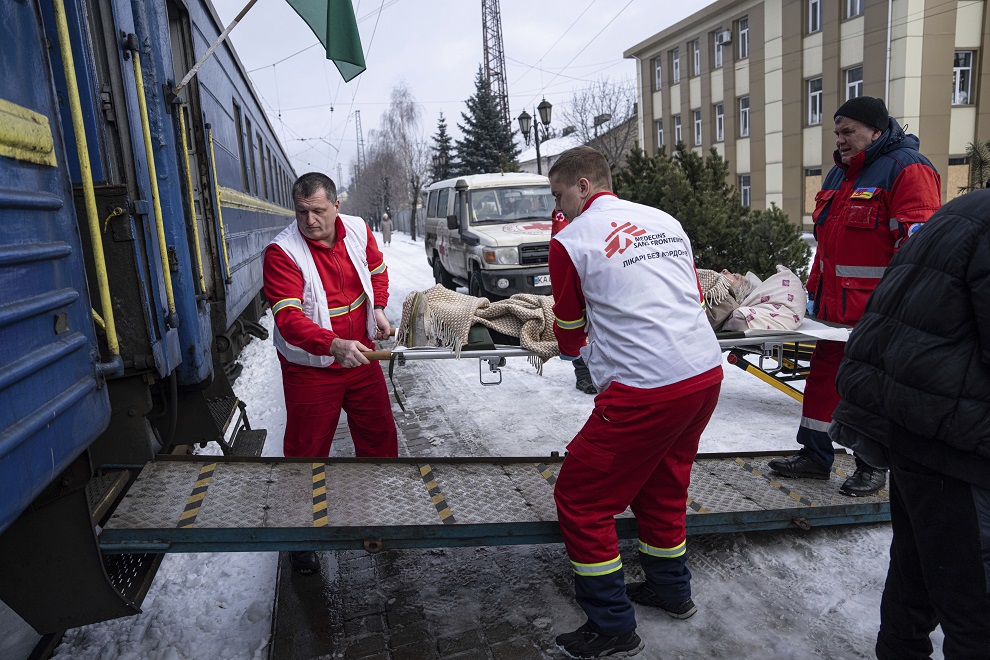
x=333, y=23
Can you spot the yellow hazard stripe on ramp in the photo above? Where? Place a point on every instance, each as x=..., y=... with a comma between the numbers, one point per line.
x=794, y=495
x=195, y=501
x=694, y=506
x=436, y=495
x=545, y=472
x=319, y=495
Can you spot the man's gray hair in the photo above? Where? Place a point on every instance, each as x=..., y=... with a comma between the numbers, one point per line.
x=307, y=185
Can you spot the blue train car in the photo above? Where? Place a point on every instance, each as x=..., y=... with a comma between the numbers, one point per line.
x=132, y=223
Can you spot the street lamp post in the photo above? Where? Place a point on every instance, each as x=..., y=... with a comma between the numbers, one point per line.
x=526, y=120
x=440, y=165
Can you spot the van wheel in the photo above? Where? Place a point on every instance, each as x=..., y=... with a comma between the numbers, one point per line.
x=441, y=276
x=474, y=285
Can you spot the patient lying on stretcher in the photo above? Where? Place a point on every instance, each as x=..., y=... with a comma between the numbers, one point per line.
x=737, y=302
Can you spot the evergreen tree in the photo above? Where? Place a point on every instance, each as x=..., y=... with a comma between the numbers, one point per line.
x=442, y=148
x=723, y=232
x=488, y=145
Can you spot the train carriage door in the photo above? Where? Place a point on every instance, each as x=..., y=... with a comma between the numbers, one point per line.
x=196, y=186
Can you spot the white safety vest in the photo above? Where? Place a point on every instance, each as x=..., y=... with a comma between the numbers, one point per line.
x=314, y=296
x=646, y=325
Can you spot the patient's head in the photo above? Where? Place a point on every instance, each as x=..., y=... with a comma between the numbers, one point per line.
x=740, y=285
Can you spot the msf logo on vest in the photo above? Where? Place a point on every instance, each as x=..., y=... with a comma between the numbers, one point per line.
x=621, y=238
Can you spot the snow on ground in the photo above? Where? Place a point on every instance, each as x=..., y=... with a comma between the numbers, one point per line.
x=780, y=594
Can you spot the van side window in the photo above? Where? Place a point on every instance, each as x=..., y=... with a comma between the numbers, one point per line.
x=431, y=209
x=442, y=203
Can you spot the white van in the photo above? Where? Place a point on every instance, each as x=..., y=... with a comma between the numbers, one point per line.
x=490, y=233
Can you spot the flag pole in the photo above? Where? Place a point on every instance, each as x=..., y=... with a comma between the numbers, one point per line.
x=216, y=44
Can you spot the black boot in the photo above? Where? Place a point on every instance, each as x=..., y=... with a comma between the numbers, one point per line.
x=305, y=562
x=588, y=642
x=644, y=594
x=865, y=481
x=801, y=466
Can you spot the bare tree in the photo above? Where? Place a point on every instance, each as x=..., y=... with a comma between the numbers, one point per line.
x=401, y=132
x=603, y=115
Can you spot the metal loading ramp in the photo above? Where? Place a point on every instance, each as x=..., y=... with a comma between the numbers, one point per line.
x=186, y=504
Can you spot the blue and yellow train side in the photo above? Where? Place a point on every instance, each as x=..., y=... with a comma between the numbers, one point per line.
x=132, y=222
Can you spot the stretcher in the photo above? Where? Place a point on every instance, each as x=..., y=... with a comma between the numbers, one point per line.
x=781, y=356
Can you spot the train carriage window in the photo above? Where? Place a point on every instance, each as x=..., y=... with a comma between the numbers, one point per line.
x=253, y=173
x=240, y=146
x=271, y=171
x=263, y=191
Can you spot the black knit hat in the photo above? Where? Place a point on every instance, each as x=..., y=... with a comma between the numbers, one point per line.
x=867, y=109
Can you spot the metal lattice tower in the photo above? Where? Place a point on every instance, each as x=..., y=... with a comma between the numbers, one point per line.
x=360, y=141
x=491, y=27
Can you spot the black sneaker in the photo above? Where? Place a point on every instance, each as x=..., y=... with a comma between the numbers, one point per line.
x=801, y=466
x=587, y=642
x=643, y=593
x=585, y=386
x=305, y=562
x=865, y=481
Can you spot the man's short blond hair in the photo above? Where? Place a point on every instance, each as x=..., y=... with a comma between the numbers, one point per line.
x=583, y=163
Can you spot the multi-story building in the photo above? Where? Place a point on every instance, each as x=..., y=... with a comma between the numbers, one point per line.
x=759, y=80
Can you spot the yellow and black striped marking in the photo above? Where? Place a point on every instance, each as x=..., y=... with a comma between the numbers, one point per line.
x=694, y=506
x=446, y=515
x=319, y=494
x=776, y=484
x=195, y=501
x=545, y=472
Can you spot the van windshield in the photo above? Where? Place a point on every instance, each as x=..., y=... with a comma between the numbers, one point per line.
x=504, y=205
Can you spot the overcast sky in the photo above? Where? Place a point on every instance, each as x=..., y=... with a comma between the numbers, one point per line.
x=552, y=48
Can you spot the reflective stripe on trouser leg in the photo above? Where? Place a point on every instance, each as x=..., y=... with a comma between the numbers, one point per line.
x=820, y=400
x=603, y=596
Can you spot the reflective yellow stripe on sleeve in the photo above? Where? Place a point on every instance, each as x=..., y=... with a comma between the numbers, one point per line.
x=667, y=553
x=570, y=325
x=286, y=302
x=601, y=568
x=344, y=309
x=380, y=269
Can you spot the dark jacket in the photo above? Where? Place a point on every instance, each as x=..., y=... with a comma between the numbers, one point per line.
x=862, y=215
x=915, y=378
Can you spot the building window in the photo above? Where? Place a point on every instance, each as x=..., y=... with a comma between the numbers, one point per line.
x=718, y=48
x=744, y=190
x=814, y=101
x=696, y=116
x=962, y=77
x=854, y=8
x=678, y=136
x=675, y=64
x=814, y=15
x=694, y=47
x=659, y=133
x=719, y=122
x=743, y=116
x=854, y=82
x=657, y=73
x=743, y=37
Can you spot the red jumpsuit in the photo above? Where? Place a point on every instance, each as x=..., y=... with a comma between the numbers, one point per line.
x=315, y=396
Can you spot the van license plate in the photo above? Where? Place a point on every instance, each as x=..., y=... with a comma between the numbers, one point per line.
x=541, y=280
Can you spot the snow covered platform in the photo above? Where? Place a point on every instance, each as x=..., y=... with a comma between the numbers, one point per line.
x=184, y=504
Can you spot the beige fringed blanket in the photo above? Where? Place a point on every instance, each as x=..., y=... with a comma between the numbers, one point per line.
x=440, y=317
